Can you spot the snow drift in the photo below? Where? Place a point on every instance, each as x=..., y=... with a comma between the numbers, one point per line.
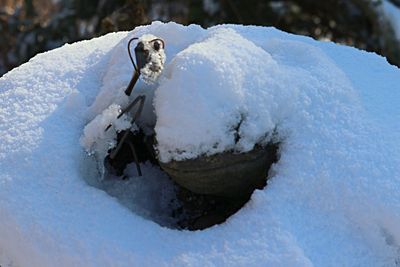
x=333, y=200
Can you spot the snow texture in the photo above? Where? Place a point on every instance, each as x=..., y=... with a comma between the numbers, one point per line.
x=100, y=134
x=334, y=195
x=216, y=88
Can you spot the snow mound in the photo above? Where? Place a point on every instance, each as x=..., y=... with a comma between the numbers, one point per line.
x=333, y=200
x=214, y=90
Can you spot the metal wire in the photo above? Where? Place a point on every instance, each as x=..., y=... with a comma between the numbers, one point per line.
x=130, y=54
x=140, y=99
x=158, y=39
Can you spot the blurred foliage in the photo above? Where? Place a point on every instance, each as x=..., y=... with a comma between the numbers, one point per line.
x=28, y=27
x=32, y=26
x=357, y=23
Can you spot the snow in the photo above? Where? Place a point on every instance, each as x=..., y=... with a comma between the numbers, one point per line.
x=154, y=68
x=96, y=139
x=334, y=195
x=198, y=116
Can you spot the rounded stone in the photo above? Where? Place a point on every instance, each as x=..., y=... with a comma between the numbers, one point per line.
x=225, y=174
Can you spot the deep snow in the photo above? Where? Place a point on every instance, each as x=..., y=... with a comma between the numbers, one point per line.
x=334, y=195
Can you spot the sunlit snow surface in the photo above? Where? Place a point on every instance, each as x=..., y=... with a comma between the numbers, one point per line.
x=333, y=200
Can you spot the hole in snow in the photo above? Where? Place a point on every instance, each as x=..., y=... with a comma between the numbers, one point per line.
x=156, y=197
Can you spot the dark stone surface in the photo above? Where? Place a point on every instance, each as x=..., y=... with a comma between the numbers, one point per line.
x=226, y=174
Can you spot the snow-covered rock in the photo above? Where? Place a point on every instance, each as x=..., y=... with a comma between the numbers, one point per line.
x=334, y=195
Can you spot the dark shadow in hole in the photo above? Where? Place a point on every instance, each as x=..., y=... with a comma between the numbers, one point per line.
x=201, y=211
x=188, y=210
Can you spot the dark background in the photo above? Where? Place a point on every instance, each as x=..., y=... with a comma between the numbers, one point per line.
x=28, y=27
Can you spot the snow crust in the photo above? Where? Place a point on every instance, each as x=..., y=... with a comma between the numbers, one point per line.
x=334, y=195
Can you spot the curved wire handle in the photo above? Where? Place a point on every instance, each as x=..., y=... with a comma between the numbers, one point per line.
x=158, y=39
x=136, y=38
x=130, y=54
